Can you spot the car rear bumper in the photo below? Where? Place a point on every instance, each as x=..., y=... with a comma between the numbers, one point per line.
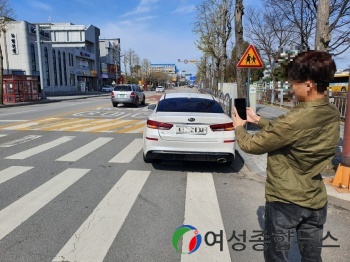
x=221, y=157
x=126, y=100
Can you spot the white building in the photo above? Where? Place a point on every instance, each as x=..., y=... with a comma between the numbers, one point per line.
x=110, y=61
x=70, y=54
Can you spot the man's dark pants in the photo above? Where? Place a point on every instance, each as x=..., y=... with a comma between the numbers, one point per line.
x=281, y=219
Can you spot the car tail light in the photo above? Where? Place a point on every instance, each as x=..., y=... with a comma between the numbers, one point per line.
x=158, y=125
x=132, y=94
x=112, y=94
x=222, y=127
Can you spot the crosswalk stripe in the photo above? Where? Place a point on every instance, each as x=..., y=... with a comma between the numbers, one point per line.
x=20, y=140
x=134, y=127
x=85, y=150
x=203, y=212
x=93, y=239
x=111, y=125
x=12, y=172
x=18, y=212
x=38, y=149
x=138, y=130
x=63, y=122
x=128, y=153
x=24, y=125
x=2, y=135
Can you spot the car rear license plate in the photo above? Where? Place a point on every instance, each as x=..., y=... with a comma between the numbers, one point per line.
x=121, y=95
x=195, y=130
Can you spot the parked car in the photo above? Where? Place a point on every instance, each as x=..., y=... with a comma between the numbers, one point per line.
x=107, y=88
x=189, y=126
x=160, y=89
x=128, y=94
x=153, y=88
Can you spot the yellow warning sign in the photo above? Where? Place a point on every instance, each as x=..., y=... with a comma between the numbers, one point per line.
x=250, y=59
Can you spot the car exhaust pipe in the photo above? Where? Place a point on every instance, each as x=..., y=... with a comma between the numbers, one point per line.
x=221, y=160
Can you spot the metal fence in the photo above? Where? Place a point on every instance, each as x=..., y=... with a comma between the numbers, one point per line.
x=224, y=99
x=278, y=97
x=286, y=98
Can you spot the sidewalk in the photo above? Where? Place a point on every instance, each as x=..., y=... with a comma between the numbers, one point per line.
x=257, y=163
x=58, y=98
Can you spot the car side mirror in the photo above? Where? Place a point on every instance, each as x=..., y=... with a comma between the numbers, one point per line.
x=152, y=106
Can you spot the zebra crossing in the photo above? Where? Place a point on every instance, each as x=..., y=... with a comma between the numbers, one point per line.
x=99, y=230
x=117, y=125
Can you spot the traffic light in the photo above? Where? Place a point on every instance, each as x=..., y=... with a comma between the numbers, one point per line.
x=14, y=46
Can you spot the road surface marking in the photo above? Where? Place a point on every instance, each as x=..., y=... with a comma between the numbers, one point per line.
x=111, y=126
x=85, y=150
x=128, y=153
x=138, y=125
x=25, y=125
x=38, y=149
x=18, y=212
x=12, y=172
x=21, y=112
x=93, y=239
x=20, y=141
x=203, y=212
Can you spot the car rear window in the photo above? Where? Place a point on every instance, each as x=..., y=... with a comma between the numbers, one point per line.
x=198, y=105
x=122, y=88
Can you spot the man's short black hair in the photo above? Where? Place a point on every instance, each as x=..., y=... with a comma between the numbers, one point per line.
x=315, y=66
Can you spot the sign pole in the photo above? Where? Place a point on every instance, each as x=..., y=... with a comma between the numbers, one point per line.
x=248, y=88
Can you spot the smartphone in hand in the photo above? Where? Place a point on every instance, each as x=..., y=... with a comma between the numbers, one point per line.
x=241, y=106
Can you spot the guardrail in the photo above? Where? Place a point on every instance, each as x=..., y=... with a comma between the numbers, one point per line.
x=286, y=98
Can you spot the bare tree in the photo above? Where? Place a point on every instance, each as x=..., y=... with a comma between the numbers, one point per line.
x=6, y=15
x=241, y=81
x=322, y=38
x=214, y=27
x=303, y=15
x=268, y=32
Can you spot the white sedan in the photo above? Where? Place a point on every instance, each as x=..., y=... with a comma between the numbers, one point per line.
x=189, y=126
x=160, y=89
x=107, y=88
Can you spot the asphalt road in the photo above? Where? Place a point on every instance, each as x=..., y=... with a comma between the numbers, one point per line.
x=74, y=187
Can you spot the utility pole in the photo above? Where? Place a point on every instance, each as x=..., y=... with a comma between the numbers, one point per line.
x=241, y=81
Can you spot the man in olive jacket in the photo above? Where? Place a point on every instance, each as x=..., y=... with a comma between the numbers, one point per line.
x=299, y=145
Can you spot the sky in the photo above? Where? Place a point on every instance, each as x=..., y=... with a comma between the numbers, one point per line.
x=158, y=30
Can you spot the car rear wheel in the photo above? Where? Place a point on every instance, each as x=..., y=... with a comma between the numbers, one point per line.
x=115, y=104
x=143, y=101
x=147, y=160
x=136, y=102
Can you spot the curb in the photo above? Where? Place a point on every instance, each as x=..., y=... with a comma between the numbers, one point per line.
x=51, y=100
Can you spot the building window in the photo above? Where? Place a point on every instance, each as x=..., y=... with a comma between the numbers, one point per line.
x=47, y=69
x=54, y=66
x=60, y=66
x=65, y=68
x=32, y=54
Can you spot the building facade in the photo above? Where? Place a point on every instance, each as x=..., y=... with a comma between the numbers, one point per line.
x=110, y=61
x=70, y=55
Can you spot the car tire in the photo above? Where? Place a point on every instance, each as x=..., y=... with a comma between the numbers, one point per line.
x=143, y=101
x=115, y=104
x=136, y=102
x=147, y=160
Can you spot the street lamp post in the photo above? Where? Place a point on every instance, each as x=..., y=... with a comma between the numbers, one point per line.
x=40, y=62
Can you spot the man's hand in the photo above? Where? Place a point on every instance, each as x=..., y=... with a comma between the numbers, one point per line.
x=252, y=117
x=237, y=121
